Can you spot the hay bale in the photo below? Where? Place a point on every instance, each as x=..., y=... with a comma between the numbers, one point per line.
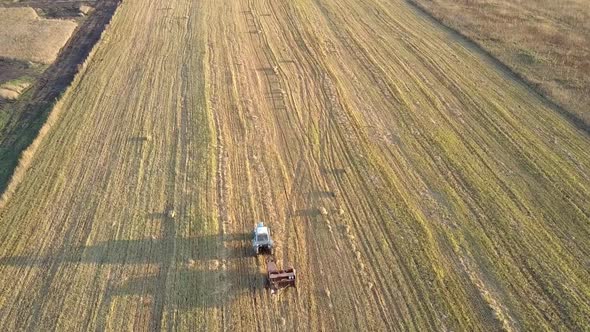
x=12, y=90
x=16, y=87
x=8, y=94
x=85, y=9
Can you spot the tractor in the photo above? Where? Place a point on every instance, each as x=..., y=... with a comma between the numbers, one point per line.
x=261, y=242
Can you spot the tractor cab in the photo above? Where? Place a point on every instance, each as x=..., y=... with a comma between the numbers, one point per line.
x=262, y=241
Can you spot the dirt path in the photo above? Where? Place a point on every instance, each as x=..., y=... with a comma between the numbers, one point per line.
x=412, y=184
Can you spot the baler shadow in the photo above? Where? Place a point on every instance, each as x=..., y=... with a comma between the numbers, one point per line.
x=200, y=288
x=177, y=288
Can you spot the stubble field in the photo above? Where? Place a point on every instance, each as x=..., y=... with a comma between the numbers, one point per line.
x=412, y=183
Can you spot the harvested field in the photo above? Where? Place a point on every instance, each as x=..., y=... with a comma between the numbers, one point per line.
x=413, y=183
x=27, y=37
x=547, y=42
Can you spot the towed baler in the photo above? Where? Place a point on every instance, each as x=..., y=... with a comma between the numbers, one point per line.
x=277, y=278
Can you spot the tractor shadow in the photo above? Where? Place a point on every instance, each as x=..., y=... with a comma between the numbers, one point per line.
x=164, y=248
x=145, y=251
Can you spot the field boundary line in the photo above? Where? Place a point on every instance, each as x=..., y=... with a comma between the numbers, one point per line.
x=569, y=116
x=28, y=154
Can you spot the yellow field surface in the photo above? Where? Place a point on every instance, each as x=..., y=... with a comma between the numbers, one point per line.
x=411, y=183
